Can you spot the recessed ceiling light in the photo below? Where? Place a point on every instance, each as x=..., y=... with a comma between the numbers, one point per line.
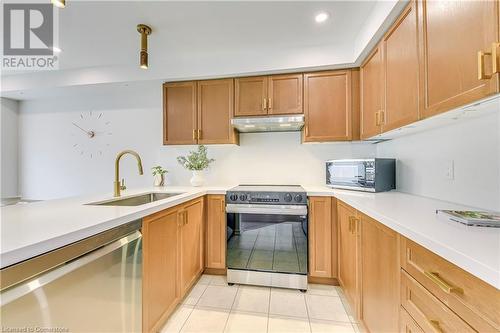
x=59, y=3
x=321, y=17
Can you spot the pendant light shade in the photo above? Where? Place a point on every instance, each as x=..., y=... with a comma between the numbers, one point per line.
x=144, y=30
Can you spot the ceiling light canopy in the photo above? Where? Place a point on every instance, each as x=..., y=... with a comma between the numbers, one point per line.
x=144, y=30
x=321, y=17
x=59, y=3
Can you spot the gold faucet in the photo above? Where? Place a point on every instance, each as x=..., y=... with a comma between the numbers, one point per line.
x=117, y=185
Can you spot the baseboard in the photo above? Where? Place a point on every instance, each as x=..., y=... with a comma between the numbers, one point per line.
x=321, y=280
x=215, y=271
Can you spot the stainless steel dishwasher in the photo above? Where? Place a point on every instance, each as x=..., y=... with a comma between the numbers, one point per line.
x=93, y=285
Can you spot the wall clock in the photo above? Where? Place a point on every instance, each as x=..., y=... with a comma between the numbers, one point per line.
x=91, y=134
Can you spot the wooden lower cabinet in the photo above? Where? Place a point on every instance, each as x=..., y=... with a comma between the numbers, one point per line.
x=407, y=324
x=322, y=240
x=216, y=232
x=191, y=254
x=427, y=311
x=475, y=301
x=172, y=260
x=393, y=284
x=160, y=292
x=379, y=259
x=348, y=262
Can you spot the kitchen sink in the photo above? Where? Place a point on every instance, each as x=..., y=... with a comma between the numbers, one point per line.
x=137, y=200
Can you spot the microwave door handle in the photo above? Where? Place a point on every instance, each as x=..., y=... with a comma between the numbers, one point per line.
x=43, y=279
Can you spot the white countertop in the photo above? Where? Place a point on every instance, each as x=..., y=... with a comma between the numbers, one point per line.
x=474, y=249
x=31, y=229
x=28, y=230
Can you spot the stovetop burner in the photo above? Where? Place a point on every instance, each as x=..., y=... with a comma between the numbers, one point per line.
x=267, y=194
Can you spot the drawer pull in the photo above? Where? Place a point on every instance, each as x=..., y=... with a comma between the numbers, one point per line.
x=435, y=325
x=445, y=286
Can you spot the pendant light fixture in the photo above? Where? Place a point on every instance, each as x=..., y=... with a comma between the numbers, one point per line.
x=144, y=30
x=59, y=3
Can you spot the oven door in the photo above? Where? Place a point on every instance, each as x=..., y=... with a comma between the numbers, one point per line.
x=349, y=174
x=267, y=238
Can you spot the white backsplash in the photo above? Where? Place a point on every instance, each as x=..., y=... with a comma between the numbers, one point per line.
x=471, y=147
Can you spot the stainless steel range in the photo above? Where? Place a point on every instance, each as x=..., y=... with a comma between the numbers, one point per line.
x=267, y=236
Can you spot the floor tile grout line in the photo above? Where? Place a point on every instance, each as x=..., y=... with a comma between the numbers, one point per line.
x=194, y=306
x=231, y=308
x=268, y=310
x=308, y=316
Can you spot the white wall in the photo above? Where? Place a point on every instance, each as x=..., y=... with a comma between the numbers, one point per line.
x=51, y=167
x=9, y=157
x=473, y=146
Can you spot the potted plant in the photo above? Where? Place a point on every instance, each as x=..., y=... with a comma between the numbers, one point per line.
x=159, y=175
x=196, y=161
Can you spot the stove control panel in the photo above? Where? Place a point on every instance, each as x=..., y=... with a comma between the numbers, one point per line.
x=283, y=198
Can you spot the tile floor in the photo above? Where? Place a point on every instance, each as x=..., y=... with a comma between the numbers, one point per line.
x=213, y=306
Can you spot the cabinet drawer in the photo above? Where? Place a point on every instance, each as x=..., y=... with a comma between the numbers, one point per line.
x=475, y=301
x=407, y=324
x=429, y=313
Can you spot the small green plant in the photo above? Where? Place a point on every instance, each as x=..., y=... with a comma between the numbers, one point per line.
x=196, y=160
x=158, y=170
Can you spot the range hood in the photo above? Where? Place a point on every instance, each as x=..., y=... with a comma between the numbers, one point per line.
x=268, y=124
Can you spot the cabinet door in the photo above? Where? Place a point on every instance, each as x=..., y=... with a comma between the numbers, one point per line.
x=327, y=106
x=215, y=110
x=160, y=283
x=285, y=94
x=401, y=71
x=250, y=96
x=379, y=276
x=320, y=237
x=191, y=243
x=348, y=254
x=179, y=113
x=451, y=35
x=372, y=91
x=216, y=232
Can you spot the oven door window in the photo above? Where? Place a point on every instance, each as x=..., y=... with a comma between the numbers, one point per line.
x=269, y=243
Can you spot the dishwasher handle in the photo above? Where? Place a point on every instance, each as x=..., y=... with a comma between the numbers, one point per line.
x=17, y=291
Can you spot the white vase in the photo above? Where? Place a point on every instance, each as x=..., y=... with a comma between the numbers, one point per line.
x=198, y=178
x=159, y=180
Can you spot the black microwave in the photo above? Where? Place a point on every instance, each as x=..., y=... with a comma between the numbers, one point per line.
x=369, y=175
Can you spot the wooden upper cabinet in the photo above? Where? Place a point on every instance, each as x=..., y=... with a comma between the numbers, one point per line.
x=285, y=94
x=451, y=35
x=179, y=113
x=215, y=110
x=327, y=106
x=348, y=265
x=400, y=53
x=216, y=232
x=160, y=268
x=251, y=96
x=372, y=92
x=320, y=237
x=380, y=276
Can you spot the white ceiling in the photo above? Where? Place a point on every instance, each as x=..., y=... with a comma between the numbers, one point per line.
x=100, y=42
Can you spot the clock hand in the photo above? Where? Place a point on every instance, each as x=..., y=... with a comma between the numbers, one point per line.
x=87, y=132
